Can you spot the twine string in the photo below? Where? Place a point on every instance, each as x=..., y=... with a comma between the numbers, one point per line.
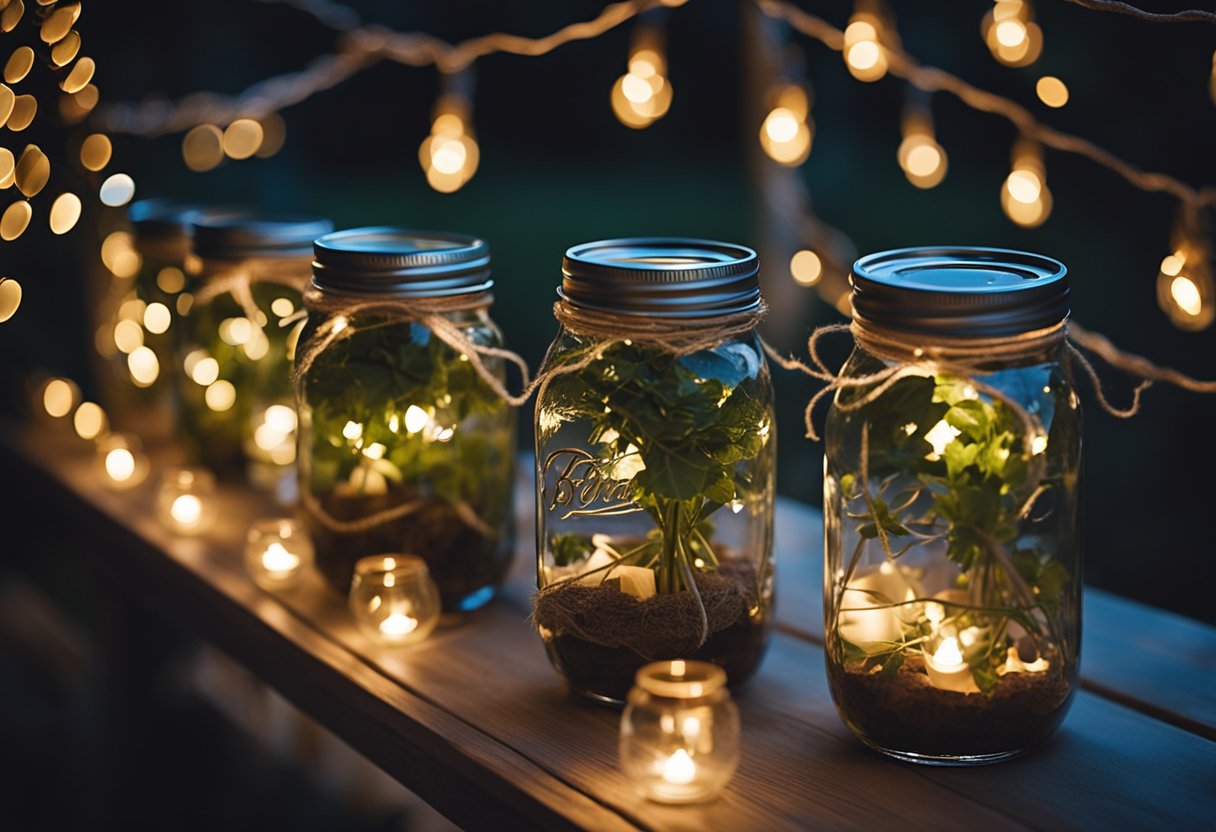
x=971, y=358
x=238, y=279
x=339, y=310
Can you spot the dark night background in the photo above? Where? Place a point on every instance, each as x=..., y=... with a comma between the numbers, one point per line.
x=557, y=168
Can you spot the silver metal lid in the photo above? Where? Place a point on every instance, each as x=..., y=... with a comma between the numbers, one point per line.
x=964, y=291
x=663, y=276
x=234, y=234
x=397, y=261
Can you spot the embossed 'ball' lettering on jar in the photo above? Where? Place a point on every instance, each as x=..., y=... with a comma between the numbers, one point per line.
x=952, y=478
x=655, y=453
x=405, y=444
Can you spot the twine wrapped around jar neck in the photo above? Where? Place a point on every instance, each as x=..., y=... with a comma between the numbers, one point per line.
x=973, y=358
x=238, y=277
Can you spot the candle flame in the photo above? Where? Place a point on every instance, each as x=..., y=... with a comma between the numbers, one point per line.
x=186, y=509
x=679, y=769
x=277, y=560
x=948, y=653
x=398, y=625
x=120, y=464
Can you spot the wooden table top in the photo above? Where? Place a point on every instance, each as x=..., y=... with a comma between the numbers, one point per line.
x=477, y=723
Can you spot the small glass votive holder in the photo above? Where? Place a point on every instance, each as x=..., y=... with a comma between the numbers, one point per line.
x=679, y=732
x=277, y=553
x=393, y=599
x=185, y=503
x=121, y=461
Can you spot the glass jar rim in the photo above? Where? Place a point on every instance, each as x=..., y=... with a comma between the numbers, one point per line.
x=680, y=678
x=396, y=564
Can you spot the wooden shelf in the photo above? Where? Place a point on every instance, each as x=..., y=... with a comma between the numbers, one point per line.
x=475, y=721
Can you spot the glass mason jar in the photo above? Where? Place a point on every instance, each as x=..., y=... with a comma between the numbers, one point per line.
x=952, y=497
x=403, y=446
x=655, y=465
x=680, y=732
x=136, y=335
x=247, y=275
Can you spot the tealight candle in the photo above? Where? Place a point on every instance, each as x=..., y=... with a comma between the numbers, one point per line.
x=277, y=553
x=184, y=502
x=121, y=461
x=948, y=669
x=680, y=732
x=393, y=599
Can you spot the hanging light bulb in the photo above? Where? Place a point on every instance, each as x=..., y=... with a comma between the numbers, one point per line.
x=1025, y=196
x=1184, y=282
x=642, y=95
x=788, y=129
x=449, y=155
x=864, y=54
x=1011, y=34
x=923, y=160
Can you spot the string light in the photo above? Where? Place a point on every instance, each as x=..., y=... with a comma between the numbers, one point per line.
x=864, y=54
x=1052, y=91
x=449, y=155
x=10, y=298
x=643, y=94
x=788, y=129
x=923, y=160
x=806, y=267
x=1025, y=196
x=1184, y=280
x=1011, y=34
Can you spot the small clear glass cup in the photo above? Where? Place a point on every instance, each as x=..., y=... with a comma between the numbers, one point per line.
x=185, y=503
x=679, y=738
x=393, y=599
x=277, y=553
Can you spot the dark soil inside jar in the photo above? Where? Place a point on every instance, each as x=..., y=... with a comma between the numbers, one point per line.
x=598, y=637
x=465, y=564
x=906, y=714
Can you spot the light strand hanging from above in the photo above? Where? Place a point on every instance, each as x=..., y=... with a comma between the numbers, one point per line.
x=931, y=79
x=359, y=49
x=1186, y=297
x=1186, y=16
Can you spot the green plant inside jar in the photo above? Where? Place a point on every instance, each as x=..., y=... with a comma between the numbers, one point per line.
x=958, y=483
x=679, y=437
x=234, y=360
x=408, y=451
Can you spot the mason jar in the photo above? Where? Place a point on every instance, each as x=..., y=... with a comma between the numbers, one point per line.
x=141, y=307
x=247, y=273
x=952, y=499
x=404, y=447
x=655, y=452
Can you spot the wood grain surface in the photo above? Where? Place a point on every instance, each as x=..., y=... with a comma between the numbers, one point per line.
x=476, y=721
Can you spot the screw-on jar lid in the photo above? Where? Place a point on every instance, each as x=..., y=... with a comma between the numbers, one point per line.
x=234, y=234
x=396, y=261
x=664, y=276
x=162, y=219
x=960, y=291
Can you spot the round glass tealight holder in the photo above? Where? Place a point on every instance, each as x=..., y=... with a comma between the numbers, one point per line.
x=277, y=553
x=393, y=599
x=121, y=461
x=185, y=503
x=680, y=732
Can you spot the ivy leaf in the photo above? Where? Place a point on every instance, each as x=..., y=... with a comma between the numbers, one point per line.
x=570, y=548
